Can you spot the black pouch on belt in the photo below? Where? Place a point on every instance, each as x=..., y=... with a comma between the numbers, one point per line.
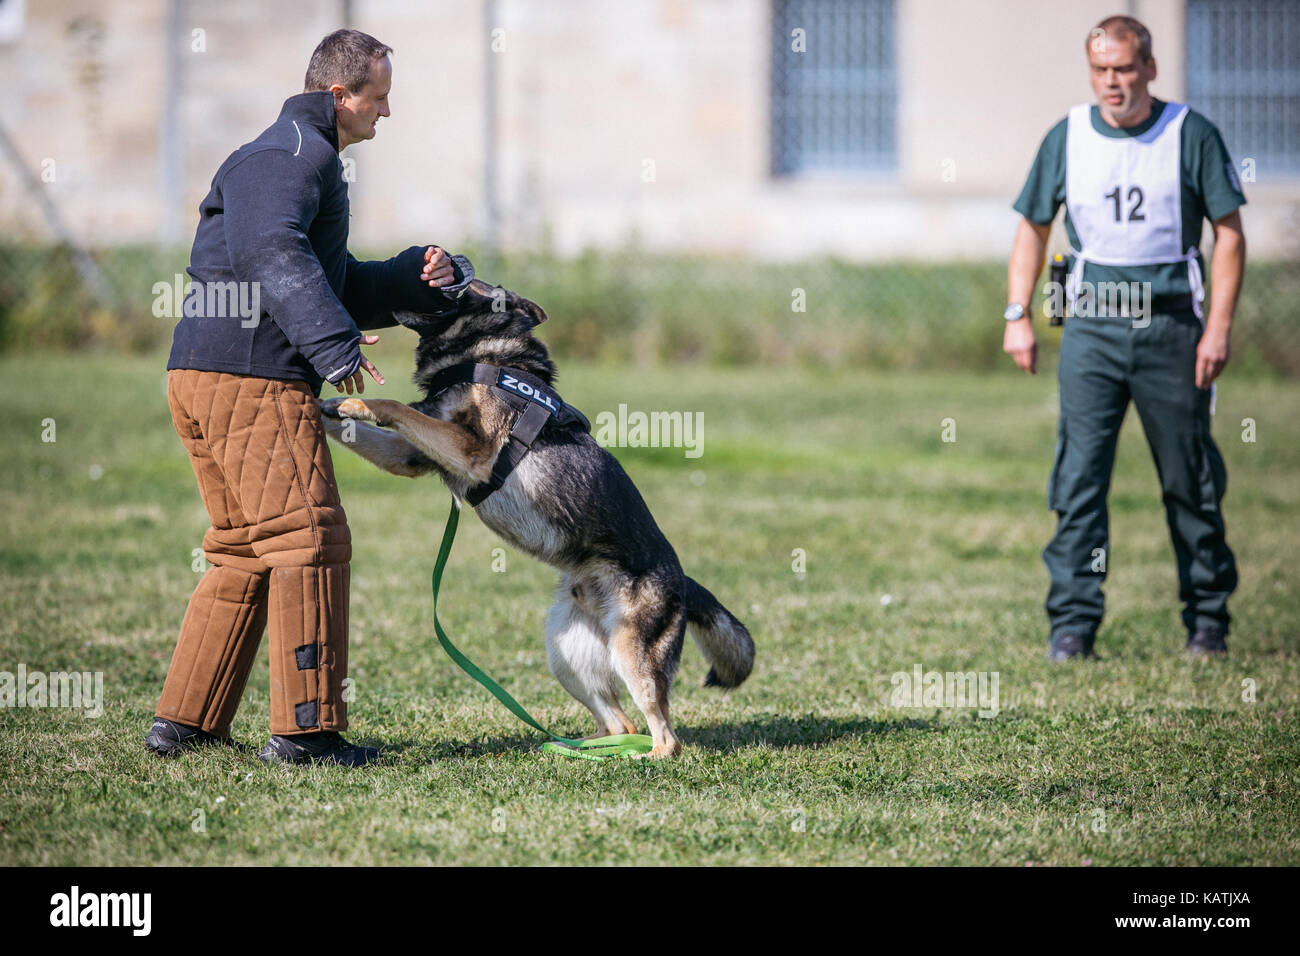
x=1057, y=305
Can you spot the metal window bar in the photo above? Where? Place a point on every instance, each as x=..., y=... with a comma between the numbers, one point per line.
x=1243, y=72
x=834, y=106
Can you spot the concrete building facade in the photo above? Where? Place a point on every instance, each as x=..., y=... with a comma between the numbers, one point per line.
x=578, y=123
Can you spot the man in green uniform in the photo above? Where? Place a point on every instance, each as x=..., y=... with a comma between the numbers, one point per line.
x=1138, y=176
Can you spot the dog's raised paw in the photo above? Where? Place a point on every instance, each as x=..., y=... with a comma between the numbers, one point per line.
x=329, y=408
x=353, y=408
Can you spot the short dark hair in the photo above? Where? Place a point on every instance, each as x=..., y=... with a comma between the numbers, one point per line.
x=1120, y=27
x=343, y=57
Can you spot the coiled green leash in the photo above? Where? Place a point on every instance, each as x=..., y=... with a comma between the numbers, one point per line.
x=598, y=748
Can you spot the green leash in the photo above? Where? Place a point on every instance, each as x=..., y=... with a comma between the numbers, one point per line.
x=599, y=748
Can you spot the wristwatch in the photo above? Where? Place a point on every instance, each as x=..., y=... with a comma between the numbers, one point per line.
x=1014, y=311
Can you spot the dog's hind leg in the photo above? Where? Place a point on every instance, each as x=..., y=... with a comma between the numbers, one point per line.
x=388, y=450
x=646, y=646
x=577, y=653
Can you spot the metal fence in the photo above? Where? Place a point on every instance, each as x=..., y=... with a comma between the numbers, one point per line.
x=624, y=305
x=833, y=109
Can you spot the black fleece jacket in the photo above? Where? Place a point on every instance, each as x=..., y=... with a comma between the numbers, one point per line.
x=273, y=232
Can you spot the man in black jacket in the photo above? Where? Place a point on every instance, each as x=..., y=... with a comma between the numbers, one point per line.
x=276, y=309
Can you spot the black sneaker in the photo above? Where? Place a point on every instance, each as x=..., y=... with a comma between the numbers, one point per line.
x=1206, y=640
x=327, y=745
x=1064, y=646
x=167, y=738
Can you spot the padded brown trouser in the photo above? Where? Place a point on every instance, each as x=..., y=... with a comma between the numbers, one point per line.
x=279, y=545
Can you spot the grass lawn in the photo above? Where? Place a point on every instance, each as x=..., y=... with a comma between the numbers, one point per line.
x=1141, y=757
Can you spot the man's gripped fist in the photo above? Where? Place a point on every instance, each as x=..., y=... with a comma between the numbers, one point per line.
x=438, y=270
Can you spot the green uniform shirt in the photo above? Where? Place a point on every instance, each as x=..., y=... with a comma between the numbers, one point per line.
x=1210, y=189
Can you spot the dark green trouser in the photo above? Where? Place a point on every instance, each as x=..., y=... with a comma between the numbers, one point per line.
x=1105, y=362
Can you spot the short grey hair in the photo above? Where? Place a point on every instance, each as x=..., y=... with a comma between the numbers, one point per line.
x=1119, y=28
x=344, y=57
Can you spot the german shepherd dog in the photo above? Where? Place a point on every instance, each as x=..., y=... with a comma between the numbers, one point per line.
x=623, y=603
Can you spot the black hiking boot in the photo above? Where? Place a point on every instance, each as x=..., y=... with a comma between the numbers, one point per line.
x=167, y=738
x=1206, y=640
x=1063, y=647
x=327, y=745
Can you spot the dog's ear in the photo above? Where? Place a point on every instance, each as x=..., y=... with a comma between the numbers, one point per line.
x=477, y=297
x=533, y=310
x=480, y=297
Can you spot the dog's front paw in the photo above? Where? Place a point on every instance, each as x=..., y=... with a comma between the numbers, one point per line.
x=329, y=408
x=353, y=408
x=661, y=751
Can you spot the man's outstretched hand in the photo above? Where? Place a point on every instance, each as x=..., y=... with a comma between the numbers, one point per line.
x=356, y=378
x=438, y=270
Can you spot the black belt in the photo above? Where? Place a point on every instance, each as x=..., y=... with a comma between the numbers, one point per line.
x=539, y=407
x=1160, y=305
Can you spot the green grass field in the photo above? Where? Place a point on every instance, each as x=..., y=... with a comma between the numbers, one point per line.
x=1141, y=757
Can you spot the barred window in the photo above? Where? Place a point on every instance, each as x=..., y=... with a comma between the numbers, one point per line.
x=11, y=21
x=834, y=86
x=1243, y=72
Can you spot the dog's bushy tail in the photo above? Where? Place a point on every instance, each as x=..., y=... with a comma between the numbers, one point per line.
x=722, y=638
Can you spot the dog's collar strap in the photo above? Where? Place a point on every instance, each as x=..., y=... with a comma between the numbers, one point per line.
x=513, y=384
x=537, y=404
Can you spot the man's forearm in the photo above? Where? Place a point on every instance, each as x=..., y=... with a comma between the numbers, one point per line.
x=1027, y=253
x=373, y=290
x=1227, y=269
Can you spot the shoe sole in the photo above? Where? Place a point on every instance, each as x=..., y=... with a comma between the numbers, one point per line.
x=160, y=750
x=1061, y=656
x=272, y=758
x=166, y=747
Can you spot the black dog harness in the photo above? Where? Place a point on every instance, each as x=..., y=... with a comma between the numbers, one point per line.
x=539, y=407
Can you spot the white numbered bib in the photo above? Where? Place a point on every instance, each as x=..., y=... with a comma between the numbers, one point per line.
x=1124, y=195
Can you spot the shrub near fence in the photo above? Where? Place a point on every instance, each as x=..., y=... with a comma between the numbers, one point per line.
x=628, y=306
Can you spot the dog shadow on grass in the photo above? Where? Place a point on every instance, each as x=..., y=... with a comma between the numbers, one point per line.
x=767, y=731
x=783, y=732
